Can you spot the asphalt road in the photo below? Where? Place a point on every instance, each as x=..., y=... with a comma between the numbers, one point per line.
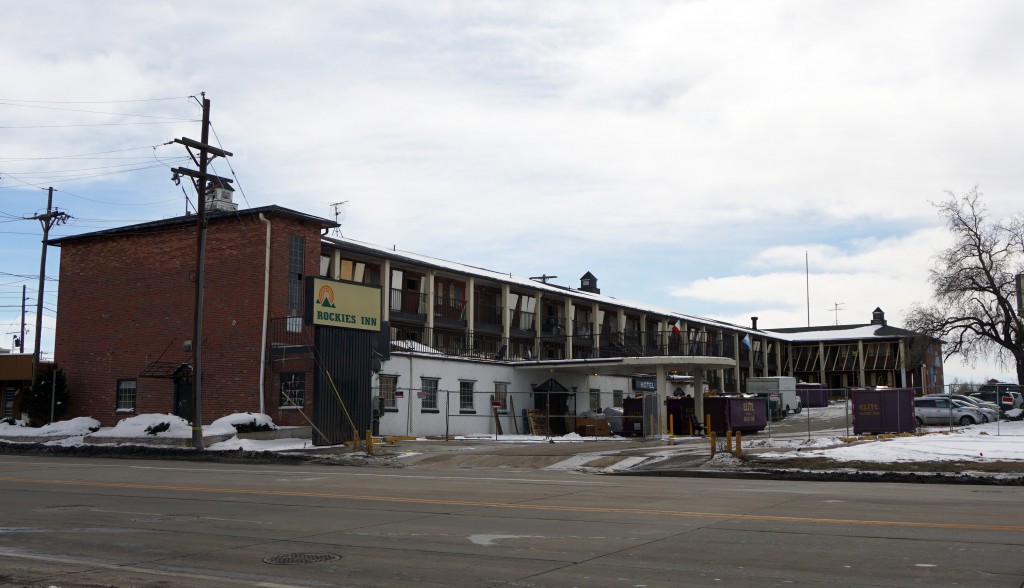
x=92, y=522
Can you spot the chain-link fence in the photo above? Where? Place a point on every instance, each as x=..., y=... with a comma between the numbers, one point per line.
x=859, y=411
x=514, y=415
x=823, y=412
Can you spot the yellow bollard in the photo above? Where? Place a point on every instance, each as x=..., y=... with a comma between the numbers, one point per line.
x=712, y=437
x=728, y=441
x=369, y=442
x=739, y=444
x=671, y=426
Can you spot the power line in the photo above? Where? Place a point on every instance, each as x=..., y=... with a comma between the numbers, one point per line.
x=95, y=125
x=96, y=101
x=3, y=103
x=81, y=155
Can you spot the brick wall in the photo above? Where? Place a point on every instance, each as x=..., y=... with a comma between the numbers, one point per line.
x=128, y=300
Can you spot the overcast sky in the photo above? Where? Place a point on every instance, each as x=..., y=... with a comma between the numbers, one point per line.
x=686, y=153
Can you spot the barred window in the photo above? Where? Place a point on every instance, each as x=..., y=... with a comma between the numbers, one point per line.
x=466, y=396
x=126, y=394
x=293, y=389
x=501, y=395
x=387, y=391
x=429, y=388
x=296, y=261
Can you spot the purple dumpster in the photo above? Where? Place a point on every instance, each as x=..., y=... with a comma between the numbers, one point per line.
x=883, y=410
x=812, y=395
x=736, y=413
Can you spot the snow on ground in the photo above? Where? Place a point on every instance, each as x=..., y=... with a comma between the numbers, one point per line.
x=136, y=426
x=76, y=426
x=567, y=438
x=234, y=444
x=1002, y=441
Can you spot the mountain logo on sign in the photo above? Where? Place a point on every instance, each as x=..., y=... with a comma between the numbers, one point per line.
x=325, y=297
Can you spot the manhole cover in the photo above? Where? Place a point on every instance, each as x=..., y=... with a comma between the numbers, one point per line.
x=300, y=558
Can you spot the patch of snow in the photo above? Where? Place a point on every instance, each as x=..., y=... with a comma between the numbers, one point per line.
x=75, y=426
x=136, y=427
x=227, y=424
x=234, y=444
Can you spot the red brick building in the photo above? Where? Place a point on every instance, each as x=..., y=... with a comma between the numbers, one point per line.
x=125, y=324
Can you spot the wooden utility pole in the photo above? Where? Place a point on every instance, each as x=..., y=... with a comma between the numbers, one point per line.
x=48, y=220
x=21, y=333
x=202, y=182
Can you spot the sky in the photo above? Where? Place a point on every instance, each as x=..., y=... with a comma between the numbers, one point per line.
x=688, y=154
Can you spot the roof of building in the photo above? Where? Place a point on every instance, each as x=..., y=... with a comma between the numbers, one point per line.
x=211, y=216
x=842, y=332
x=791, y=335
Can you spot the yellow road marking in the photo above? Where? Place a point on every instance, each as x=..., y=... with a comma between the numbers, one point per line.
x=531, y=506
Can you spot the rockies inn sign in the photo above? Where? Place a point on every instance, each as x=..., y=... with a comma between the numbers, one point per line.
x=349, y=305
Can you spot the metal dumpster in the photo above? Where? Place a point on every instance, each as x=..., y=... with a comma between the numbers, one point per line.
x=736, y=413
x=813, y=395
x=882, y=410
x=681, y=411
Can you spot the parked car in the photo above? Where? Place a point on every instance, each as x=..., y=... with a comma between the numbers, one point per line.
x=945, y=411
x=990, y=410
x=988, y=415
x=1007, y=396
x=1004, y=388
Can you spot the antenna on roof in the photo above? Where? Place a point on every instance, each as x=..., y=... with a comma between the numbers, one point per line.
x=836, y=309
x=543, y=278
x=339, y=215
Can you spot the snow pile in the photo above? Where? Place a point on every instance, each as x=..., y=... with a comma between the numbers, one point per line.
x=235, y=444
x=76, y=426
x=723, y=461
x=228, y=424
x=137, y=426
x=798, y=444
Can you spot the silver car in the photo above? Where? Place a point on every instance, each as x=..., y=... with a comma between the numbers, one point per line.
x=990, y=411
x=944, y=411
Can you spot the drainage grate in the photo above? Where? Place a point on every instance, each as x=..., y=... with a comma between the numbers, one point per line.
x=300, y=558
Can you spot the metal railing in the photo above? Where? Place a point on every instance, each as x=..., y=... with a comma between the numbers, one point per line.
x=462, y=343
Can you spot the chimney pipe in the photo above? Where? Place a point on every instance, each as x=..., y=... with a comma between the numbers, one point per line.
x=753, y=322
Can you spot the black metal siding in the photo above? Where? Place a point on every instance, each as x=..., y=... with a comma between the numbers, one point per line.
x=346, y=355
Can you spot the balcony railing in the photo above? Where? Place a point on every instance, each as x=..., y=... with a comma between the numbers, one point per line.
x=522, y=320
x=482, y=345
x=408, y=302
x=488, y=314
x=450, y=308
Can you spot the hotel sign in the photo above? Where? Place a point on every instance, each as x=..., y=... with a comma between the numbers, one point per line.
x=349, y=305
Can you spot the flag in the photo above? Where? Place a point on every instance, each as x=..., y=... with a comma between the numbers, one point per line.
x=677, y=327
x=746, y=340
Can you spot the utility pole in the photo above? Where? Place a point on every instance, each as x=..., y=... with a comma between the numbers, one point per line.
x=21, y=333
x=201, y=179
x=48, y=220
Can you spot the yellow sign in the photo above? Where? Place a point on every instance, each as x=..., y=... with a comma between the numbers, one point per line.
x=342, y=304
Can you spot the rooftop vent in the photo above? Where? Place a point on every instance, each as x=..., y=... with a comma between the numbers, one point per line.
x=588, y=283
x=220, y=199
x=878, y=317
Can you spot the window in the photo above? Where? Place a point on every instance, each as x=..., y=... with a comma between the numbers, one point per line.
x=595, y=399
x=293, y=390
x=9, y=401
x=466, y=396
x=501, y=395
x=296, y=260
x=387, y=392
x=617, y=398
x=126, y=394
x=429, y=388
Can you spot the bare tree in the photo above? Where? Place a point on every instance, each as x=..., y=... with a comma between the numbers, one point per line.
x=974, y=297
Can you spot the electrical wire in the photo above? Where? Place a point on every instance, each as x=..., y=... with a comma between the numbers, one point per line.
x=3, y=103
x=84, y=155
x=96, y=101
x=97, y=124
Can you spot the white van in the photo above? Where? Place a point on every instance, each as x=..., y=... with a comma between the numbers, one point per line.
x=784, y=385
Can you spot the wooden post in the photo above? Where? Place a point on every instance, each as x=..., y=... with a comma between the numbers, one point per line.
x=671, y=426
x=369, y=442
x=739, y=444
x=728, y=441
x=712, y=437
